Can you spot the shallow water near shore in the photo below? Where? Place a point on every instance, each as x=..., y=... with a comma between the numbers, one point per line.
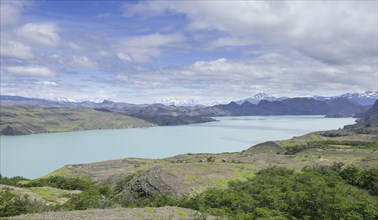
x=33, y=156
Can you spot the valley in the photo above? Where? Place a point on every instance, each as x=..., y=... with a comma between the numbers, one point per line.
x=181, y=179
x=188, y=110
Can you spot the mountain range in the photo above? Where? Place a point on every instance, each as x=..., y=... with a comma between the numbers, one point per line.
x=260, y=104
x=366, y=98
x=296, y=106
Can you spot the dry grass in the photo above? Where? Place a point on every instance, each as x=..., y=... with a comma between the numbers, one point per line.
x=162, y=213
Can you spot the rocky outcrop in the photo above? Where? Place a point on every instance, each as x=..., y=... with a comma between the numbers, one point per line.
x=266, y=147
x=21, y=129
x=153, y=183
x=183, y=179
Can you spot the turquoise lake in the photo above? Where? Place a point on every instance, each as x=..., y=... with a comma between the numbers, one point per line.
x=33, y=156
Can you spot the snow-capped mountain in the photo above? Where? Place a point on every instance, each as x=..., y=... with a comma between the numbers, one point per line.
x=260, y=96
x=366, y=98
x=56, y=99
x=177, y=101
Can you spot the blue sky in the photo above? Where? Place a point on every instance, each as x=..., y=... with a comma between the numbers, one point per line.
x=210, y=51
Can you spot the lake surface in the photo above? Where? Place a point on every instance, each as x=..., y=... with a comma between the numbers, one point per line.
x=33, y=156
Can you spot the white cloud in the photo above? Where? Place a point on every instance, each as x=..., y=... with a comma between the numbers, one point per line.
x=229, y=42
x=43, y=89
x=276, y=47
x=122, y=78
x=125, y=57
x=73, y=46
x=281, y=73
x=47, y=83
x=333, y=31
x=10, y=12
x=104, y=53
x=29, y=71
x=10, y=15
x=143, y=48
x=14, y=49
x=83, y=61
x=43, y=34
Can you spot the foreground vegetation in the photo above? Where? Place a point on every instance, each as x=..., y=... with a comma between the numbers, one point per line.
x=280, y=193
x=322, y=192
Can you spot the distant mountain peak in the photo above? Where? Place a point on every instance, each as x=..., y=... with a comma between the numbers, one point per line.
x=107, y=102
x=367, y=94
x=259, y=97
x=246, y=103
x=234, y=104
x=60, y=99
x=178, y=101
x=366, y=98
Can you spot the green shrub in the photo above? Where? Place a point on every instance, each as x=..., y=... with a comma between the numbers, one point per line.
x=14, y=181
x=280, y=193
x=365, y=179
x=13, y=204
x=62, y=182
x=90, y=198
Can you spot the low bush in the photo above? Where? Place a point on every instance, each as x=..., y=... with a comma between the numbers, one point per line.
x=15, y=204
x=280, y=193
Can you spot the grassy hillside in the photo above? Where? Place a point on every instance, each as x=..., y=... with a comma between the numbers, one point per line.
x=44, y=195
x=21, y=120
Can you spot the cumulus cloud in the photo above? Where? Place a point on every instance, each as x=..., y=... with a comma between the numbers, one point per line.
x=44, y=34
x=29, y=71
x=143, y=48
x=15, y=49
x=333, y=32
x=10, y=12
x=276, y=73
x=214, y=49
x=83, y=61
x=74, y=46
x=30, y=87
x=47, y=83
x=104, y=53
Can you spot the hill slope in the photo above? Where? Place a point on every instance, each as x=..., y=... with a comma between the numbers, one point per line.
x=21, y=120
x=370, y=117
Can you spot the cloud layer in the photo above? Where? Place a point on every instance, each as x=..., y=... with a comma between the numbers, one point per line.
x=211, y=50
